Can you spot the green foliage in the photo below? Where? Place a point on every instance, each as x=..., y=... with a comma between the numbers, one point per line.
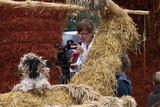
x=73, y=20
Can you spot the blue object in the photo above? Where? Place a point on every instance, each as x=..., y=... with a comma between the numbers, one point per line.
x=124, y=85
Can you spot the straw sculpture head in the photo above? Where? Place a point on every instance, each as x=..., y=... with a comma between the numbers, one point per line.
x=35, y=71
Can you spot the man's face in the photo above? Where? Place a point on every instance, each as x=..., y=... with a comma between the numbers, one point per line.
x=85, y=36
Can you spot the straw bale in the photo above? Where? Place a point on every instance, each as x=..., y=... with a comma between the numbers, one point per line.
x=29, y=99
x=20, y=99
x=107, y=101
x=80, y=93
x=128, y=101
x=58, y=97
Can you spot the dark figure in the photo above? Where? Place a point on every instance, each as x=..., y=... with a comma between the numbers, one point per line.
x=123, y=83
x=65, y=57
x=33, y=67
x=154, y=97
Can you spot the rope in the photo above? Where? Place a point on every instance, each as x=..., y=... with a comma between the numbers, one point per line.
x=144, y=46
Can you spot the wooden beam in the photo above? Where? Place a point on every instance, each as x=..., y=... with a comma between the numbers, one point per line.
x=137, y=12
x=39, y=5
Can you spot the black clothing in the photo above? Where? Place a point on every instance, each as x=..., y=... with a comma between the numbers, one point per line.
x=154, y=98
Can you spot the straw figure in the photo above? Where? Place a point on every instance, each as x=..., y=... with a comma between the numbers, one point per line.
x=95, y=84
x=117, y=34
x=35, y=72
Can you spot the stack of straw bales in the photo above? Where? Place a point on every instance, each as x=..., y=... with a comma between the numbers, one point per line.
x=91, y=86
x=64, y=96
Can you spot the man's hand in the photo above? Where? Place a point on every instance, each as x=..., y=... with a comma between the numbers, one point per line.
x=78, y=47
x=74, y=66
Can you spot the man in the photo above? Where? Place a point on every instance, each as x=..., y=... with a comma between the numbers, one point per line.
x=123, y=83
x=154, y=97
x=86, y=33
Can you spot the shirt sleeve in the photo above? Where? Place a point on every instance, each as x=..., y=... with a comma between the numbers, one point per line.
x=79, y=62
x=83, y=56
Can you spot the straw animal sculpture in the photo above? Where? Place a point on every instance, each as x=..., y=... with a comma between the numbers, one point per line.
x=35, y=71
x=95, y=84
x=116, y=36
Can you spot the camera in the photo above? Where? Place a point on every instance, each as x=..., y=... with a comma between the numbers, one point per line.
x=65, y=58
